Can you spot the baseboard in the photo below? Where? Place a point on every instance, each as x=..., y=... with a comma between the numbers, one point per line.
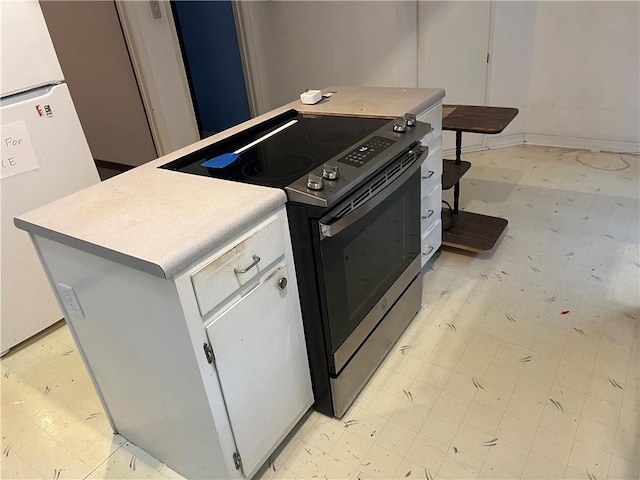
x=581, y=143
x=451, y=152
x=490, y=142
x=501, y=141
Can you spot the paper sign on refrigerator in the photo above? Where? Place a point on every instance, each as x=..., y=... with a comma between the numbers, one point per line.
x=17, y=152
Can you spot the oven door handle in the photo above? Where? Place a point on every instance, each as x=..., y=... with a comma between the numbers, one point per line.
x=332, y=229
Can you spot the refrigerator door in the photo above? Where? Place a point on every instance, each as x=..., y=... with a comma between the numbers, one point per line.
x=28, y=58
x=45, y=156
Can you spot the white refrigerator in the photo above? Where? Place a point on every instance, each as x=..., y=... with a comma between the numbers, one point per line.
x=45, y=156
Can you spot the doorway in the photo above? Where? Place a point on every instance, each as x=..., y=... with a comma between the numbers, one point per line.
x=97, y=67
x=209, y=43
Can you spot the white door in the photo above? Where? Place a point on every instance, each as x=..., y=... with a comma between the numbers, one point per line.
x=28, y=57
x=262, y=366
x=452, y=54
x=44, y=157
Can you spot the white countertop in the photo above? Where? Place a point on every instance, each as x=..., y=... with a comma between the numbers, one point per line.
x=161, y=221
x=373, y=101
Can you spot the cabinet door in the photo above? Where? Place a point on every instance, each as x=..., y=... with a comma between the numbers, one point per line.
x=261, y=361
x=452, y=54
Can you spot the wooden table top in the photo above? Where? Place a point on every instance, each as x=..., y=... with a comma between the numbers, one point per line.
x=477, y=118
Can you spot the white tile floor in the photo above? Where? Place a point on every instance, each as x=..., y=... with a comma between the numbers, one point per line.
x=524, y=365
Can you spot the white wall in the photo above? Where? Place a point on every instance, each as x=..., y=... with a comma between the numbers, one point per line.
x=319, y=44
x=299, y=45
x=584, y=88
x=571, y=68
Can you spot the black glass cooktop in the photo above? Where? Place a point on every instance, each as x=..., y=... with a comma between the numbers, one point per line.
x=302, y=142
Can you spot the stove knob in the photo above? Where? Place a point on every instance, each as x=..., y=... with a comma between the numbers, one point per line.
x=315, y=182
x=411, y=119
x=330, y=172
x=400, y=125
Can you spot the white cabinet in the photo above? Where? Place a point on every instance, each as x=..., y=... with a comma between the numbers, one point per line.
x=261, y=363
x=431, y=185
x=247, y=296
x=207, y=371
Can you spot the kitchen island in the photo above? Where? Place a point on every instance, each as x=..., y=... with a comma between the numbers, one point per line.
x=181, y=294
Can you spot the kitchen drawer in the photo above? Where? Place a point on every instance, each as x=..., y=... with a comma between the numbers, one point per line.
x=430, y=208
x=434, y=117
x=431, y=241
x=432, y=169
x=223, y=275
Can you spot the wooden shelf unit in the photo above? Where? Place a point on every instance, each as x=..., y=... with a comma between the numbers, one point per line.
x=470, y=231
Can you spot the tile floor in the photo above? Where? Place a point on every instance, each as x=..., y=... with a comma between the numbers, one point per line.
x=524, y=364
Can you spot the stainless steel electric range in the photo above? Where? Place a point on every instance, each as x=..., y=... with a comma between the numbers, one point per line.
x=353, y=188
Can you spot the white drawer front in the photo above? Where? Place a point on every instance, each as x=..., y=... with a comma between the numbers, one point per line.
x=238, y=265
x=431, y=241
x=430, y=208
x=432, y=168
x=434, y=117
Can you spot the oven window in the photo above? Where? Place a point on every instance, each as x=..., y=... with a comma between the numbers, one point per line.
x=362, y=261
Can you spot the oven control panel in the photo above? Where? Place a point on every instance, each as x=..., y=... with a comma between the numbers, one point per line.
x=365, y=152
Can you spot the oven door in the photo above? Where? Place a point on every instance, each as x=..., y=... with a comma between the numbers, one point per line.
x=364, y=252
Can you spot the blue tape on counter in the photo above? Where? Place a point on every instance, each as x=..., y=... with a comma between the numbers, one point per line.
x=221, y=161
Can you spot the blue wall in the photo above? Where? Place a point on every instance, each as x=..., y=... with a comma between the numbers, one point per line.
x=212, y=59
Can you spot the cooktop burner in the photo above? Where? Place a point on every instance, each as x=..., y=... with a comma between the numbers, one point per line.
x=317, y=159
x=278, y=167
x=301, y=144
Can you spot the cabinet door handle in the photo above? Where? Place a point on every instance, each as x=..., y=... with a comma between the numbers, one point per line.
x=256, y=259
x=428, y=215
x=428, y=175
x=428, y=251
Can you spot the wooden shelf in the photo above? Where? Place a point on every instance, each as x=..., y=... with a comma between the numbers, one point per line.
x=472, y=231
x=477, y=118
x=452, y=172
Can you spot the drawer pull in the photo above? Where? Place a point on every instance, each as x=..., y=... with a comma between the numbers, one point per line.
x=428, y=215
x=256, y=260
x=428, y=175
x=428, y=251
